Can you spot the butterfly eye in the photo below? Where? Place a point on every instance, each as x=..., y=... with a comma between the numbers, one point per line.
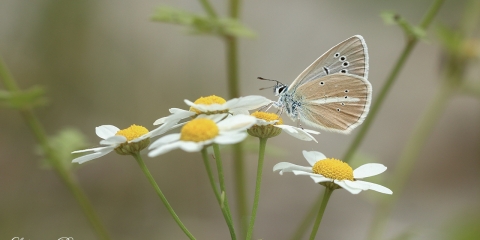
x=343, y=58
x=279, y=89
x=336, y=55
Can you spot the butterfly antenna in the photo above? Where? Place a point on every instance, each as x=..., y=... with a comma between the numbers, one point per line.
x=265, y=79
x=263, y=88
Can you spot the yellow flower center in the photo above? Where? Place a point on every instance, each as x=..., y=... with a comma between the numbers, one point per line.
x=207, y=101
x=334, y=169
x=268, y=117
x=132, y=132
x=198, y=130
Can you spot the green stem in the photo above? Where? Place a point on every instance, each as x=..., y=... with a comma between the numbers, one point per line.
x=206, y=162
x=160, y=194
x=208, y=8
x=411, y=42
x=261, y=157
x=410, y=154
x=471, y=89
x=323, y=206
x=431, y=13
x=429, y=16
x=226, y=214
x=231, y=44
x=7, y=78
x=304, y=225
x=380, y=100
x=234, y=8
x=221, y=179
x=240, y=188
x=232, y=66
x=41, y=137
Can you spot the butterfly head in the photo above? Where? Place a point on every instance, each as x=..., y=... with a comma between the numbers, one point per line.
x=279, y=88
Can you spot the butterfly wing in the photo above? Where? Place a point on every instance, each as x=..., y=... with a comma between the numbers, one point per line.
x=349, y=56
x=337, y=102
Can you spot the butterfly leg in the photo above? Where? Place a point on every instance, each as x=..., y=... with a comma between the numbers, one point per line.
x=299, y=123
x=281, y=111
x=268, y=106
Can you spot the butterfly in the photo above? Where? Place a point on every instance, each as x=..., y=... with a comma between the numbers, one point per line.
x=333, y=93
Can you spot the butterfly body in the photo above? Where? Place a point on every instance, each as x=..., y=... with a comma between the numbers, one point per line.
x=333, y=93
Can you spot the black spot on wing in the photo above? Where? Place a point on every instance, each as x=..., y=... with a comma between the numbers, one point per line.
x=326, y=70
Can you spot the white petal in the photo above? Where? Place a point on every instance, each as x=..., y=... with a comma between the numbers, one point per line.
x=297, y=132
x=106, y=131
x=206, y=108
x=236, y=123
x=239, y=111
x=165, y=140
x=313, y=156
x=263, y=122
x=248, y=102
x=114, y=140
x=98, y=149
x=191, y=146
x=178, y=110
x=180, y=114
x=92, y=156
x=175, y=117
x=188, y=102
x=164, y=149
x=311, y=131
x=289, y=167
x=160, y=121
x=357, y=184
x=141, y=138
x=167, y=126
x=319, y=178
x=377, y=187
x=214, y=117
x=230, y=138
x=368, y=170
x=352, y=190
x=305, y=173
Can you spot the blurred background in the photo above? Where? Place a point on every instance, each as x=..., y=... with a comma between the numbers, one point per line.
x=105, y=62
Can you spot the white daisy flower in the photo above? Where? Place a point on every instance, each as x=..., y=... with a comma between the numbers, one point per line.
x=215, y=108
x=201, y=132
x=333, y=173
x=270, y=125
x=125, y=142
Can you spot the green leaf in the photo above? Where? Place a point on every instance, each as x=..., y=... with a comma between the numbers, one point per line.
x=23, y=99
x=389, y=17
x=451, y=40
x=175, y=16
x=392, y=18
x=64, y=143
x=465, y=225
x=234, y=28
x=406, y=235
x=198, y=24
